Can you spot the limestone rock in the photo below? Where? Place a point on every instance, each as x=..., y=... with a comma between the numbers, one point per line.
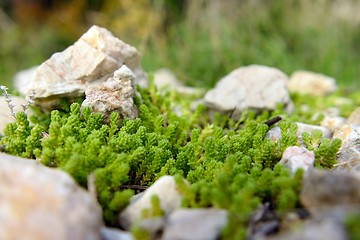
x=166, y=190
x=347, y=133
x=354, y=117
x=316, y=84
x=90, y=60
x=323, y=190
x=349, y=157
x=255, y=87
x=194, y=224
x=41, y=203
x=5, y=113
x=298, y=157
x=115, y=94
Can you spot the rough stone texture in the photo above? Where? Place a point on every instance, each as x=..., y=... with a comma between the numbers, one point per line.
x=347, y=132
x=298, y=157
x=38, y=203
x=354, y=117
x=275, y=133
x=165, y=78
x=90, y=60
x=115, y=234
x=115, y=94
x=349, y=156
x=316, y=84
x=324, y=190
x=166, y=190
x=255, y=87
x=5, y=113
x=195, y=224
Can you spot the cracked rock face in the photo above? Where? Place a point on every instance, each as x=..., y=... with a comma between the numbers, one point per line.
x=115, y=94
x=41, y=203
x=255, y=87
x=90, y=60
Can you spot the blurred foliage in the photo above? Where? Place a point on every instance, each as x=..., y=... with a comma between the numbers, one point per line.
x=202, y=40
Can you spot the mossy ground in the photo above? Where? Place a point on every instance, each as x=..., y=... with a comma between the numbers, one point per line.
x=228, y=164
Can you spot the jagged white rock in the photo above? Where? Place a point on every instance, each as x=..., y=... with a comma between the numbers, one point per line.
x=90, y=60
x=115, y=94
x=255, y=87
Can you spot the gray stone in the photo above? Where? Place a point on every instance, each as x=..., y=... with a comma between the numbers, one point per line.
x=6, y=115
x=196, y=224
x=90, y=60
x=349, y=156
x=251, y=87
x=38, y=203
x=311, y=83
x=323, y=190
x=115, y=234
x=298, y=157
x=115, y=94
x=22, y=79
x=164, y=188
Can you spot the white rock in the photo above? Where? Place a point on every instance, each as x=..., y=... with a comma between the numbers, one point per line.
x=5, y=113
x=316, y=84
x=90, y=60
x=41, y=203
x=298, y=157
x=194, y=224
x=347, y=132
x=256, y=87
x=166, y=190
x=115, y=94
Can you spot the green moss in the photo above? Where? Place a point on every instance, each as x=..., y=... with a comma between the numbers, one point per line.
x=226, y=164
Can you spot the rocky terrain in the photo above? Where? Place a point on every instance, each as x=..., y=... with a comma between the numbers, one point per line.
x=256, y=123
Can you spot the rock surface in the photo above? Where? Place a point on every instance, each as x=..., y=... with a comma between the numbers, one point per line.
x=115, y=234
x=38, y=203
x=115, y=94
x=90, y=60
x=347, y=132
x=324, y=190
x=354, y=117
x=255, y=87
x=298, y=157
x=166, y=190
x=6, y=114
x=23, y=79
x=195, y=224
x=316, y=84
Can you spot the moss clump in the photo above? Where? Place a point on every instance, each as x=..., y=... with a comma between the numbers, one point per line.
x=228, y=164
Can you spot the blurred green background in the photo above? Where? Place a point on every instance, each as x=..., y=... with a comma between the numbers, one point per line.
x=199, y=40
